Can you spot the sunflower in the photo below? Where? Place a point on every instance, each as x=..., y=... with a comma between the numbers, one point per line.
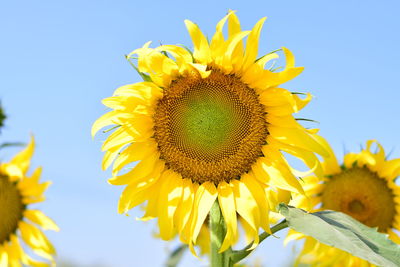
x=205, y=126
x=364, y=188
x=17, y=192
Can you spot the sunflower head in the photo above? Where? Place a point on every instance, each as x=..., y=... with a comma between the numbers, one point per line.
x=17, y=192
x=363, y=187
x=208, y=125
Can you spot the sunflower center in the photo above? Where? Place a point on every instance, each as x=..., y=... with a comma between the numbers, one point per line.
x=11, y=208
x=363, y=195
x=356, y=206
x=206, y=123
x=210, y=129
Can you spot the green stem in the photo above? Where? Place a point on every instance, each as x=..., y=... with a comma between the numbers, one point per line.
x=217, y=235
x=238, y=255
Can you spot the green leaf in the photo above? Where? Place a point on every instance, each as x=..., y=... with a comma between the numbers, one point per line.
x=176, y=256
x=304, y=119
x=238, y=255
x=4, y=145
x=2, y=117
x=339, y=230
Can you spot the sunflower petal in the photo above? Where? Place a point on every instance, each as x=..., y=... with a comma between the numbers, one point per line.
x=202, y=52
x=170, y=196
x=41, y=219
x=204, y=199
x=35, y=238
x=252, y=45
x=227, y=204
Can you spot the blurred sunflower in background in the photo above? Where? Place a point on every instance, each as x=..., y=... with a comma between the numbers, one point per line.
x=364, y=188
x=17, y=192
x=205, y=126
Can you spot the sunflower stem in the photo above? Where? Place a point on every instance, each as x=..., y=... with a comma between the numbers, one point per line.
x=238, y=255
x=217, y=234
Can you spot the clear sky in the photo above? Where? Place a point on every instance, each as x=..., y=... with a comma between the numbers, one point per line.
x=58, y=59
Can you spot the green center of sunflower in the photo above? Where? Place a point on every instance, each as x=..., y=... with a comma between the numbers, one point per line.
x=11, y=208
x=206, y=124
x=362, y=194
x=210, y=129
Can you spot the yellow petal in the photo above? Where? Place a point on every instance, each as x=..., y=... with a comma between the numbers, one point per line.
x=41, y=219
x=349, y=159
x=134, y=152
x=266, y=58
x=260, y=197
x=217, y=41
x=110, y=155
x=301, y=103
x=181, y=55
x=299, y=138
x=292, y=235
x=393, y=236
x=202, y=53
x=35, y=238
x=278, y=171
x=184, y=209
x=30, y=181
x=141, y=52
x=203, y=241
x=142, y=169
x=200, y=69
x=3, y=257
x=162, y=70
x=19, y=255
x=277, y=97
x=23, y=158
x=186, y=230
x=118, y=138
x=331, y=164
x=135, y=193
x=123, y=102
x=170, y=196
x=309, y=158
x=227, y=204
x=390, y=169
x=103, y=121
x=246, y=207
x=152, y=203
x=145, y=90
x=232, y=59
x=252, y=45
x=233, y=29
x=204, y=199
x=35, y=191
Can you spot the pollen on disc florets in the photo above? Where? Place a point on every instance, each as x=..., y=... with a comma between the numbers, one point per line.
x=362, y=194
x=210, y=129
x=11, y=208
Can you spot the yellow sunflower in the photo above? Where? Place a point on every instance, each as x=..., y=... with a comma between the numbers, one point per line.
x=17, y=192
x=207, y=125
x=364, y=188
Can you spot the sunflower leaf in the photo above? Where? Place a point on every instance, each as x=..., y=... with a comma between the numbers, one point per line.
x=19, y=144
x=342, y=231
x=176, y=256
x=238, y=255
x=2, y=117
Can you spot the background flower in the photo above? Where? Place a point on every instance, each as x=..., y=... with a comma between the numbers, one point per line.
x=362, y=187
x=19, y=233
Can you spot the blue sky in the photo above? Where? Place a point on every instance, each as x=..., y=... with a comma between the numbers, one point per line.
x=60, y=58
